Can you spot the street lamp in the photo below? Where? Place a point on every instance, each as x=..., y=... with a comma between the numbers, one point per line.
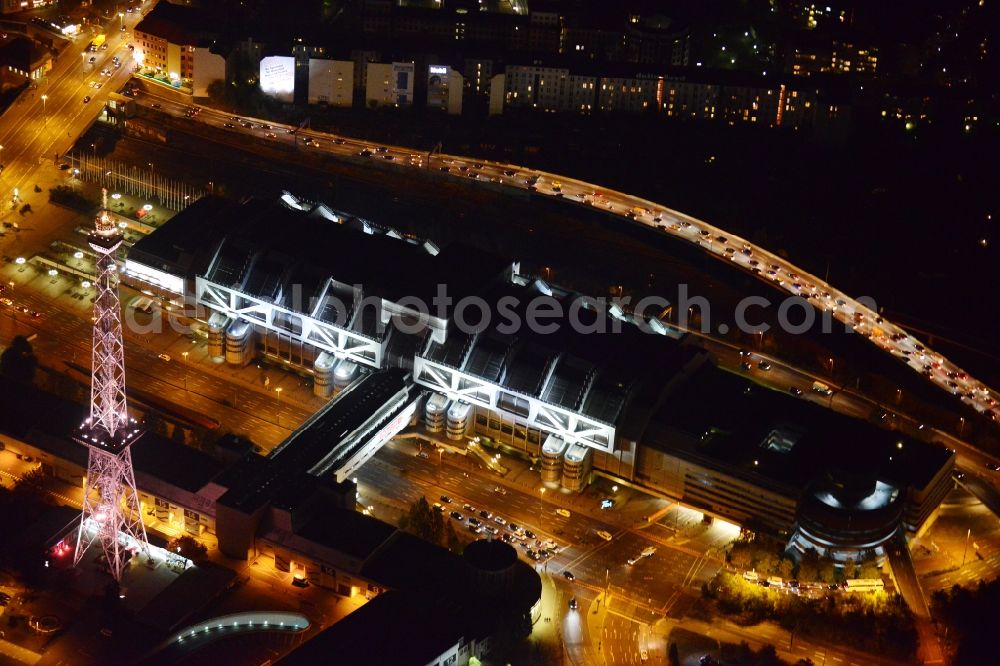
x=541, y=494
x=121, y=16
x=44, y=99
x=277, y=414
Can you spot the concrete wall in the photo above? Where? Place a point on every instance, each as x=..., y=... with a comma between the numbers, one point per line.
x=331, y=82
x=208, y=68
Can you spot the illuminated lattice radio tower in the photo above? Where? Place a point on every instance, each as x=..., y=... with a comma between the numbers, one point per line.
x=111, y=512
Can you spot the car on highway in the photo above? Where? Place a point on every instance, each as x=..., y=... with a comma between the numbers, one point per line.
x=568, y=575
x=529, y=534
x=271, y=135
x=572, y=604
x=445, y=169
x=474, y=521
x=229, y=125
x=155, y=106
x=485, y=514
x=563, y=512
x=457, y=516
x=499, y=520
x=437, y=507
x=476, y=529
x=445, y=499
x=764, y=365
x=604, y=534
x=164, y=357
x=389, y=157
x=365, y=153
x=338, y=141
x=794, y=390
x=86, y=99
x=993, y=467
x=381, y=150
x=468, y=507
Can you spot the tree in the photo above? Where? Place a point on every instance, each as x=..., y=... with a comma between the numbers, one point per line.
x=767, y=656
x=740, y=556
x=673, y=658
x=826, y=570
x=850, y=568
x=18, y=362
x=451, y=541
x=869, y=566
x=809, y=566
x=767, y=562
x=785, y=567
x=189, y=547
x=424, y=522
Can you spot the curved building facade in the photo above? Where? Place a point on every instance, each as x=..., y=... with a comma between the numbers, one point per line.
x=847, y=516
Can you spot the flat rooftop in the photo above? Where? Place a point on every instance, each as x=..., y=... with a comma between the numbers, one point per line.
x=724, y=421
x=288, y=244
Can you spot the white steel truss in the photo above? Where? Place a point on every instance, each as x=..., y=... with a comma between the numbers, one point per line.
x=107, y=386
x=567, y=424
x=111, y=512
x=340, y=342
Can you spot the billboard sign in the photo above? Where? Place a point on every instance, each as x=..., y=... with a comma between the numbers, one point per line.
x=277, y=77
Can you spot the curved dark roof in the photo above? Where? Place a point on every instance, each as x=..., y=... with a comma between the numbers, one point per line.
x=490, y=555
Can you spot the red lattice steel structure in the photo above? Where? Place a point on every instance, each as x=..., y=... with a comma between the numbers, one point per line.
x=111, y=512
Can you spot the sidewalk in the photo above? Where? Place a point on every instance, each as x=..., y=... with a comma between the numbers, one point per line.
x=596, y=615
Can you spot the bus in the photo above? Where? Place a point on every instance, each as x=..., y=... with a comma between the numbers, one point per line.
x=822, y=389
x=98, y=42
x=863, y=585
